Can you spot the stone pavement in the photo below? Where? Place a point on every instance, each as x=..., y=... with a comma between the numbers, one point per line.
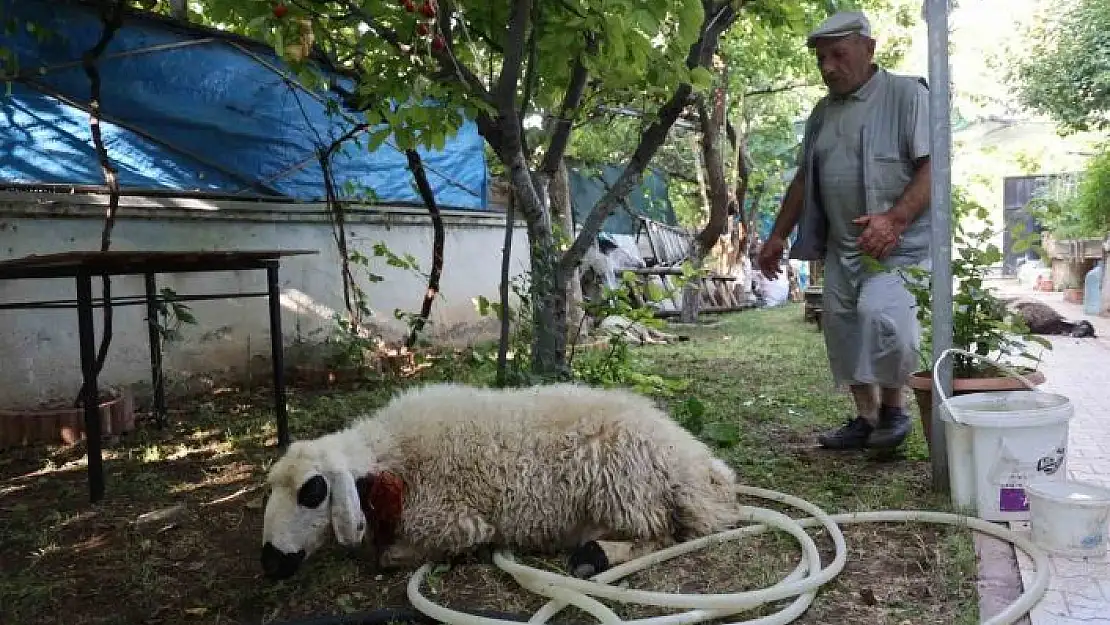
x=1080, y=588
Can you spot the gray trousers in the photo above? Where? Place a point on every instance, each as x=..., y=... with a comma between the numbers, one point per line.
x=872, y=334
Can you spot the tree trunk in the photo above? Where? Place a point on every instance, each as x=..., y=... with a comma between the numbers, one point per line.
x=549, y=303
x=718, y=210
x=548, y=282
x=562, y=211
x=699, y=170
x=743, y=233
x=752, y=216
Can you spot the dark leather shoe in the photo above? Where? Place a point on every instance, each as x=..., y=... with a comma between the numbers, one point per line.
x=851, y=435
x=894, y=427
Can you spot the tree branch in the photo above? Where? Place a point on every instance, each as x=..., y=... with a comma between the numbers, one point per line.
x=650, y=141
x=446, y=57
x=340, y=219
x=491, y=132
x=487, y=39
x=335, y=207
x=715, y=175
x=503, y=291
x=571, y=101
x=111, y=18
x=505, y=97
x=452, y=70
x=717, y=20
x=507, y=129
x=416, y=165
x=450, y=62
x=530, y=76
x=778, y=89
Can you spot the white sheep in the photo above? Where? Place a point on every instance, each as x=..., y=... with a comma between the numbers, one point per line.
x=556, y=467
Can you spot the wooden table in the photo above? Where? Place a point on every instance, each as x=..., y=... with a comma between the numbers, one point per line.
x=84, y=266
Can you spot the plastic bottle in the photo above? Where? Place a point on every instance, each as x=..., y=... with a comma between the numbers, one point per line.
x=1092, y=290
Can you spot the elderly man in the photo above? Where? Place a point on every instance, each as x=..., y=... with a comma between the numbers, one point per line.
x=859, y=200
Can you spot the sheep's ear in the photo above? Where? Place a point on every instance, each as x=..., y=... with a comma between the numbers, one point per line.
x=346, y=513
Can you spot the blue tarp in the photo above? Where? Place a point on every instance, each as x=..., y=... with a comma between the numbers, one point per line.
x=198, y=115
x=650, y=199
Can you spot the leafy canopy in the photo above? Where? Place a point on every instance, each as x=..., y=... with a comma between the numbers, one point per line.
x=1067, y=73
x=442, y=60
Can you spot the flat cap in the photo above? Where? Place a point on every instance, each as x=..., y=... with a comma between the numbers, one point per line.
x=841, y=24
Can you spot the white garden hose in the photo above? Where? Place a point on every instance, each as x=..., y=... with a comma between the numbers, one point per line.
x=803, y=583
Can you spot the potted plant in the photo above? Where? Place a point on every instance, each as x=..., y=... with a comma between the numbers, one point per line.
x=981, y=324
x=1073, y=291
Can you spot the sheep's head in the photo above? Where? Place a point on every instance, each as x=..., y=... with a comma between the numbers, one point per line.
x=1083, y=330
x=310, y=490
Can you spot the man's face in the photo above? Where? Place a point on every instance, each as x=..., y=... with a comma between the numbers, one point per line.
x=844, y=62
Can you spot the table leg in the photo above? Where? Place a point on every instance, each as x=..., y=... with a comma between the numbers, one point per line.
x=156, y=379
x=91, y=396
x=276, y=355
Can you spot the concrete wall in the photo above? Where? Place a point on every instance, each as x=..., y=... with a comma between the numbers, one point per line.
x=40, y=350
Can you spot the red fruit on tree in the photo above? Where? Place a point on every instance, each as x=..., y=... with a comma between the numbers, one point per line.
x=422, y=29
x=438, y=44
x=280, y=10
x=428, y=9
x=409, y=6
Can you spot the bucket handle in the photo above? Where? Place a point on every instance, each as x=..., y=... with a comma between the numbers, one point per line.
x=953, y=350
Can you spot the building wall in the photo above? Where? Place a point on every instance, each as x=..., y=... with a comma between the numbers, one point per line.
x=40, y=347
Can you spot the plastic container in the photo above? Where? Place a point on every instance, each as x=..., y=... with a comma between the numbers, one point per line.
x=1001, y=441
x=1092, y=290
x=1070, y=518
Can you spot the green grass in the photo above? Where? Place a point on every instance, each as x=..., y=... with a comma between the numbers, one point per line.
x=764, y=374
x=757, y=382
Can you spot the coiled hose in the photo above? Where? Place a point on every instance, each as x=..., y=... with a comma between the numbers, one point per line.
x=803, y=583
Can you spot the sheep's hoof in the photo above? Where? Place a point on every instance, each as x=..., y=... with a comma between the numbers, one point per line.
x=588, y=560
x=397, y=557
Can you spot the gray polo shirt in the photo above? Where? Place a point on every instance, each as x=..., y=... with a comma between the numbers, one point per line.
x=858, y=153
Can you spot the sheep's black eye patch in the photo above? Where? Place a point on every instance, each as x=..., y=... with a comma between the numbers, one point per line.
x=313, y=492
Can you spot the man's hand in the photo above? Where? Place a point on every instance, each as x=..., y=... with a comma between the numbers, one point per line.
x=770, y=256
x=880, y=233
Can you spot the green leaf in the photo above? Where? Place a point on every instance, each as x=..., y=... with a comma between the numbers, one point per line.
x=691, y=13
x=701, y=78
x=483, y=305
x=646, y=22
x=376, y=139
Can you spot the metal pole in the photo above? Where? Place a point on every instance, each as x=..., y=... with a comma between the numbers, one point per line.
x=276, y=354
x=936, y=17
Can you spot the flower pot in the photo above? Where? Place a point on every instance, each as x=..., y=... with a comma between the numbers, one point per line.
x=64, y=424
x=1074, y=296
x=922, y=384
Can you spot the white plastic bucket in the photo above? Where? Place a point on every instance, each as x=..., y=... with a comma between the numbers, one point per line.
x=1070, y=518
x=999, y=442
